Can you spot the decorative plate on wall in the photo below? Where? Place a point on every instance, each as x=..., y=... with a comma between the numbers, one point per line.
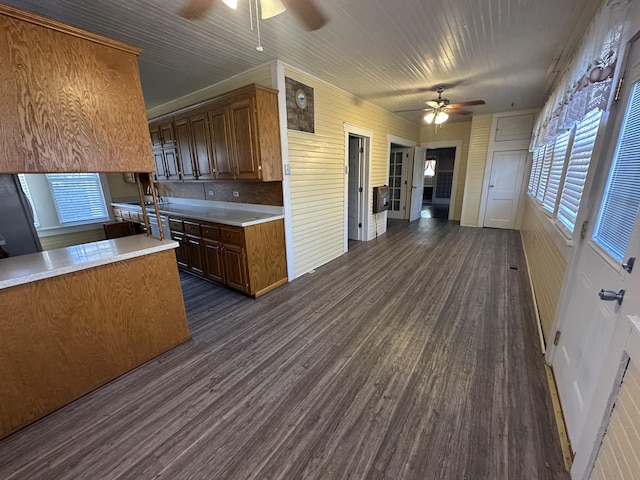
x=300, y=108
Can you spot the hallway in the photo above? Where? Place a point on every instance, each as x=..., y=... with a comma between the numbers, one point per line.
x=413, y=356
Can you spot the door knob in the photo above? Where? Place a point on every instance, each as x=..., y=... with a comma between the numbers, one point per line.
x=610, y=296
x=628, y=266
x=491, y=186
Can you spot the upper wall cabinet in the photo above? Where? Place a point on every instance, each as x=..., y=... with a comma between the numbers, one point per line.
x=163, y=143
x=232, y=137
x=71, y=100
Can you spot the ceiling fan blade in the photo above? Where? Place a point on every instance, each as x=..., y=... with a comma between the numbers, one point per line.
x=457, y=111
x=195, y=9
x=413, y=110
x=271, y=8
x=307, y=13
x=433, y=104
x=470, y=103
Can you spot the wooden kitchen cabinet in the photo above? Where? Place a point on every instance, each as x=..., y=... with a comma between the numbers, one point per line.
x=235, y=136
x=163, y=142
x=220, y=149
x=250, y=259
x=214, y=260
x=192, y=132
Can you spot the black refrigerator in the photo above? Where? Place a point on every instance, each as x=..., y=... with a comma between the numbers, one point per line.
x=16, y=219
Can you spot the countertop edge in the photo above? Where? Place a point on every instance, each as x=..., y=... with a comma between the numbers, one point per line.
x=42, y=274
x=202, y=218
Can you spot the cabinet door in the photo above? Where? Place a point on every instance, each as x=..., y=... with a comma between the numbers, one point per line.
x=219, y=134
x=201, y=147
x=181, y=251
x=236, y=267
x=214, y=260
x=185, y=153
x=166, y=133
x=158, y=157
x=156, y=137
x=243, y=139
x=171, y=163
x=194, y=254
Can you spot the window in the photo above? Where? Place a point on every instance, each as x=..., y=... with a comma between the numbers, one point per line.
x=622, y=194
x=78, y=197
x=555, y=173
x=544, y=172
x=429, y=168
x=536, y=165
x=25, y=189
x=577, y=169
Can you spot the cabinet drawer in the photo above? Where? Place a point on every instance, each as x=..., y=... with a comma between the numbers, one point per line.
x=192, y=228
x=175, y=225
x=210, y=232
x=229, y=235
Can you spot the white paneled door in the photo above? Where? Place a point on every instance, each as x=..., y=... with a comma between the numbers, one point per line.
x=590, y=316
x=417, y=183
x=505, y=182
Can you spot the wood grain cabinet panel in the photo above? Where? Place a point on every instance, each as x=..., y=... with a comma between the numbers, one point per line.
x=235, y=262
x=164, y=147
x=214, y=260
x=195, y=260
x=183, y=145
x=181, y=251
x=219, y=134
x=201, y=140
x=243, y=139
x=71, y=100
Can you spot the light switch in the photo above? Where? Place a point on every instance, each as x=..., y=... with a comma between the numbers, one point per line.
x=236, y=194
x=287, y=169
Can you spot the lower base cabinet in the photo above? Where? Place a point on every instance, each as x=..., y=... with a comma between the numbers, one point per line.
x=249, y=259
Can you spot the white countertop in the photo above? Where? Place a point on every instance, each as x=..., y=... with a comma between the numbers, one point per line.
x=38, y=266
x=239, y=216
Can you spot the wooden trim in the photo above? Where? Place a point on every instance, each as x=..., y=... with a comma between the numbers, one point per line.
x=68, y=29
x=271, y=287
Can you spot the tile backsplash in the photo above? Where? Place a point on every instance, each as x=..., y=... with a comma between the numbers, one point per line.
x=261, y=193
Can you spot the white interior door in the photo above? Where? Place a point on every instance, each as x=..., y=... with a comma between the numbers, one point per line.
x=356, y=154
x=417, y=183
x=397, y=182
x=589, y=322
x=505, y=182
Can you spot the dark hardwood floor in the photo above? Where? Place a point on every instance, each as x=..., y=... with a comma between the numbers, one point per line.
x=414, y=356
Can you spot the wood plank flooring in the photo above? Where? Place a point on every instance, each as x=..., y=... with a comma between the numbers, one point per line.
x=414, y=356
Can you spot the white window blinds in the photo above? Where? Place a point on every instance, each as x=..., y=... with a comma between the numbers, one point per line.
x=578, y=168
x=25, y=189
x=555, y=172
x=544, y=172
x=78, y=197
x=621, y=199
x=536, y=165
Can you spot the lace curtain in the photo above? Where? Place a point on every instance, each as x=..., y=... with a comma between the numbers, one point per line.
x=586, y=84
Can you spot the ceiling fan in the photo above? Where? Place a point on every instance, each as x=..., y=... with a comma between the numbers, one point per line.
x=438, y=110
x=306, y=10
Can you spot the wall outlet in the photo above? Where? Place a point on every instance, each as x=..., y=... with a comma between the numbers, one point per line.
x=210, y=192
x=236, y=194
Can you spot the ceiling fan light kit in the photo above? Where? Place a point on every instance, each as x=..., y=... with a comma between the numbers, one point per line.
x=271, y=8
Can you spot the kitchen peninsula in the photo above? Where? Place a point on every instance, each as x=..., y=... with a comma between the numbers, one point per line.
x=77, y=317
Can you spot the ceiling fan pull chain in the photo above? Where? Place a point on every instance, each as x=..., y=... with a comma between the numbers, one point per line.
x=259, y=45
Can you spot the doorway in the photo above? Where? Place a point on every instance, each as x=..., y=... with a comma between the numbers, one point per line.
x=438, y=182
x=357, y=195
x=398, y=171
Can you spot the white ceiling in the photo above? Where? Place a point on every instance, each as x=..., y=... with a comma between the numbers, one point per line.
x=390, y=52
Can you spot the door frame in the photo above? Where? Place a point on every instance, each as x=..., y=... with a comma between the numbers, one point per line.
x=457, y=144
x=495, y=146
x=405, y=143
x=367, y=135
